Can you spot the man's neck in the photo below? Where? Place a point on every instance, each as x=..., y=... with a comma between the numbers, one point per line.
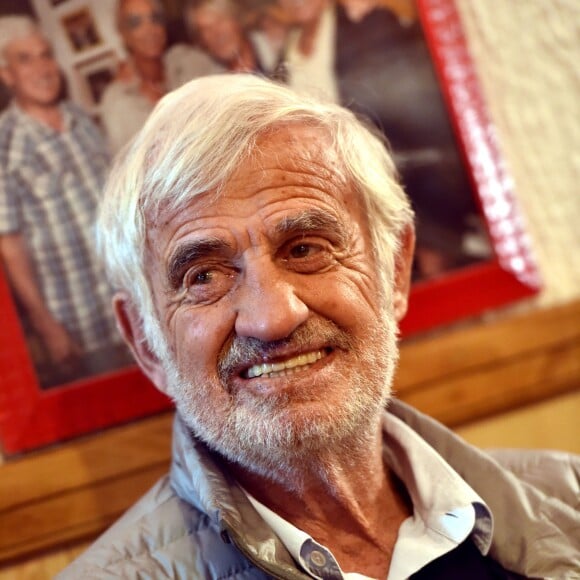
x=150, y=69
x=151, y=73
x=50, y=115
x=351, y=504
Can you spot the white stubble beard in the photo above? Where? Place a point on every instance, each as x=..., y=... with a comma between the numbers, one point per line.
x=270, y=438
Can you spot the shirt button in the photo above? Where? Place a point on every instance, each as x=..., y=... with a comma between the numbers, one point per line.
x=318, y=558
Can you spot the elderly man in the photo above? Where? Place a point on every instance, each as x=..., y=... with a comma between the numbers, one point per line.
x=262, y=246
x=53, y=163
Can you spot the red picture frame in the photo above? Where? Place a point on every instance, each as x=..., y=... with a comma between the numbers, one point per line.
x=512, y=274
x=31, y=417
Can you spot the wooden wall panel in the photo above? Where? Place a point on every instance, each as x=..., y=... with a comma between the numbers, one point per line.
x=79, y=489
x=548, y=424
x=498, y=387
x=80, y=464
x=445, y=354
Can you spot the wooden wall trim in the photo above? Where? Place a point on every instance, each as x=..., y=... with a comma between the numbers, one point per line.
x=79, y=464
x=74, y=491
x=481, y=370
x=441, y=355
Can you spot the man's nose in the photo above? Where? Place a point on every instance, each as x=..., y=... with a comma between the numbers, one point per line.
x=267, y=305
x=46, y=66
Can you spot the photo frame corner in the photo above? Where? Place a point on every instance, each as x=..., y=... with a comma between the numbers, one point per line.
x=32, y=417
x=93, y=75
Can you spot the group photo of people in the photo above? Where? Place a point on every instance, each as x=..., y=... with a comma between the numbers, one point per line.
x=368, y=55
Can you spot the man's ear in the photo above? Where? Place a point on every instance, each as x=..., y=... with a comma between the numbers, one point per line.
x=403, y=271
x=131, y=329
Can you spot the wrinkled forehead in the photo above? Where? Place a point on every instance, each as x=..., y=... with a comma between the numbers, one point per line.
x=287, y=155
x=291, y=146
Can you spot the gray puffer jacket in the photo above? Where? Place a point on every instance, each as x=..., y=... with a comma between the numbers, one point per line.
x=197, y=523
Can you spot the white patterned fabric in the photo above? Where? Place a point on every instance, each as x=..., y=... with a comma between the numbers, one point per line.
x=50, y=183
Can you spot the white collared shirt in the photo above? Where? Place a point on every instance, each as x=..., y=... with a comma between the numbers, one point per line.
x=446, y=512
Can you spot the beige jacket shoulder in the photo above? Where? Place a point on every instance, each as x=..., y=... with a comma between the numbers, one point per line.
x=534, y=497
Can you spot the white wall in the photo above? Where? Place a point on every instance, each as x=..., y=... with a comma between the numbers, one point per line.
x=527, y=55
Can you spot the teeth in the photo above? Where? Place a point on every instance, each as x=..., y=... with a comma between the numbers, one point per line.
x=288, y=367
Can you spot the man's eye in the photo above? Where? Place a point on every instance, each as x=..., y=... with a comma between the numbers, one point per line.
x=207, y=285
x=198, y=277
x=309, y=257
x=303, y=250
x=204, y=277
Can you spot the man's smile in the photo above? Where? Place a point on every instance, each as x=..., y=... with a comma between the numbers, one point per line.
x=285, y=367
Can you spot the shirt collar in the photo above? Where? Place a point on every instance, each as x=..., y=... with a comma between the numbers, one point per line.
x=446, y=511
x=446, y=508
x=313, y=557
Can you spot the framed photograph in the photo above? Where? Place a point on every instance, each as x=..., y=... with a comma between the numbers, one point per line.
x=406, y=68
x=409, y=72
x=93, y=77
x=81, y=30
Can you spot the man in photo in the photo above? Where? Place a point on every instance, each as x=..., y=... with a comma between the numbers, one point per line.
x=53, y=163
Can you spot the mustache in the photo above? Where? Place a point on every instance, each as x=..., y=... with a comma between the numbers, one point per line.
x=241, y=350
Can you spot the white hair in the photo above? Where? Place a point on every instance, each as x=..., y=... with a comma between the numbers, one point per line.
x=13, y=28
x=194, y=140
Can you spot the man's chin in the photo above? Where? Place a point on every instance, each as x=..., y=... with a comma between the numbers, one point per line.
x=270, y=440
x=47, y=101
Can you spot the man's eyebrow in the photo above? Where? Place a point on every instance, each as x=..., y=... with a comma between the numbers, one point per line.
x=189, y=252
x=311, y=221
